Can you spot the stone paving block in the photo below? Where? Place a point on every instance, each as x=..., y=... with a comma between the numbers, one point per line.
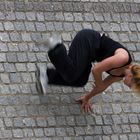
x=15, y=77
x=4, y=37
x=68, y=17
x=67, y=6
x=30, y=16
x=49, y=16
x=40, y=16
x=132, y=136
x=9, y=67
x=70, y=131
x=19, y=26
x=21, y=111
x=5, y=78
x=78, y=16
x=26, y=37
x=90, y=120
x=8, y=122
x=68, y=26
x=80, y=120
x=107, y=130
x=2, y=16
x=10, y=16
x=98, y=17
x=97, y=130
x=79, y=131
x=50, y=26
x=60, y=131
x=8, y=26
x=40, y=26
x=20, y=15
x=30, y=26
x=64, y=110
x=4, y=89
x=59, y=16
x=117, y=129
x=18, y=122
x=107, y=120
x=58, y=26
x=49, y=132
x=24, y=88
x=77, y=26
x=133, y=118
x=87, y=25
x=22, y=57
x=15, y=37
x=135, y=128
x=106, y=27
x=26, y=77
x=6, y=134
x=11, y=112
x=18, y=133
x=106, y=138
x=126, y=128
x=1, y=27
x=39, y=132
x=70, y=120
x=117, y=108
x=28, y=132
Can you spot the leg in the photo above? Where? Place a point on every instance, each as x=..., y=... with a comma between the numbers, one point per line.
x=72, y=66
x=54, y=78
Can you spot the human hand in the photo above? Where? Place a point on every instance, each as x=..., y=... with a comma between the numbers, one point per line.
x=85, y=104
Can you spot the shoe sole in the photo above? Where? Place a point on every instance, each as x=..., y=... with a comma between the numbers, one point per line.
x=41, y=80
x=38, y=84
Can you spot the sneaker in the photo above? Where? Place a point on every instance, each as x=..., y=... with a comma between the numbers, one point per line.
x=51, y=42
x=42, y=79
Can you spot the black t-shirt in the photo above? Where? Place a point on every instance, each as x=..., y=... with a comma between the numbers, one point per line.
x=107, y=49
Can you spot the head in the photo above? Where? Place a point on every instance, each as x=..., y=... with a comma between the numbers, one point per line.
x=132, y=77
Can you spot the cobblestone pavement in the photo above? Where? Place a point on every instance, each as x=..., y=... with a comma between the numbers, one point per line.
x=28, y=115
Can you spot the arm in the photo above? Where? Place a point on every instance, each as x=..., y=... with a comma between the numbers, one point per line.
x=105, y=83
x=117, y=60
x=85, y=100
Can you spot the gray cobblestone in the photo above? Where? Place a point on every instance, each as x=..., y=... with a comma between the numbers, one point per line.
x=135, y=128
x=29, y=26
x=58, y=26
x=26, y=37
x=27, y=115
x=126, y=128
x=107, y=130
x=30, y=16
x=49, y=131
x=15, y=36
x=28, y=132
x=10, y=16
x=8, y=26
x=79, y=131
x=40, y=26
x=116, y=129
x=18, y=133
x=15, y=77
x=20, y=15
x=22, y=57
x=4, y=37
x=39, y=132
x=133, y=118
x=68, y=26
x=40, y=16
x=6, y=134
x=132, y=136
